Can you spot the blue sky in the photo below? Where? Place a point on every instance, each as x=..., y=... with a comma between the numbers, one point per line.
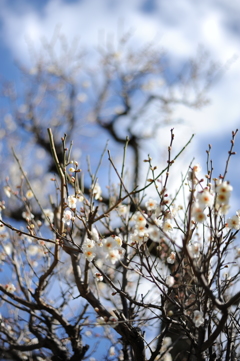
x=180, y=26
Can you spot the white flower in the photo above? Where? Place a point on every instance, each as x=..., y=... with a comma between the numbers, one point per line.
x=151, y=204
x=89, y=254
x=167, y=226
x=224, y=187
x=94, y=234
x=234, y=223
x=140, y=229
x=48, y=215
x=122, y=209
x=139, y=218
x=7, y=191
x=197, y=168
x=113, y=255
x=72, y=202
x=32, y=250
x=27, y=215
x=172, y=257
x=88, y=244
x=198, y=318
x=194, y=249
x=223, y=198
x=205, y=198
x=198, y=214
x=108, y=244
x=96, y=191
x=99, y=276
x=67, y=216
x=154, y=233
x=170, y=281
x=118, y=241
x=8, y=248
x=10, y=288
x=29, y=194
x=166, y=342
x=135, y=238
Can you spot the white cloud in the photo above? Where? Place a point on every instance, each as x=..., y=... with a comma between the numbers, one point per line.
x=180, y=27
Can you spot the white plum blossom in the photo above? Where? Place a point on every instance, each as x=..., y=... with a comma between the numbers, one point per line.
x=198, y=318
x=67, y=217
x=10, y=288
x=29, y=194
x=7, y=191
x=89, y=254
x=154, y=233
x=194, y=249
x=48, y=215
x=114, y=255
x=171, y=258
x=94, y=234
x=224, y=187
x=96, y=191
x=167, y=226
x=151, y=204
x=141, y=229
x=88, y=244
x=223, y=198
x=192, y=173
x=108, y=244
x=234, y=222
x=118, y=241
x=139, y=218
x=99, y=276
x=122, y=210
x=198, y=214
x=166, y=342
x=205, y=198
x=72, y=202
x=170, y=281
x=32, y=250
x=135, y=238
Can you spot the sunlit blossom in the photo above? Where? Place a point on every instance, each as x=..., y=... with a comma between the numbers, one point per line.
x=32, y=250
x=99, y=276
x=67, y=216
x=88, y=244
x=198, y=318
x=7, y=191
x=122, y=210
x=96, y=191
x=167, y=226
x=29, y=194
x=198, y=214
x=170, y=281
x=154, y=233
x=151, y=204
x=48, y=215
x=234, y=223
x=10, y=288
x=72, y=202
x=194, y=249
x=114, y=256
x=224, y=187
x=139, y=218
x=205, y=198
x=171, y=258
x=89, y=254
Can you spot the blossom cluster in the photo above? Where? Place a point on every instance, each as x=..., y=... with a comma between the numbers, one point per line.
x=111, y=247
